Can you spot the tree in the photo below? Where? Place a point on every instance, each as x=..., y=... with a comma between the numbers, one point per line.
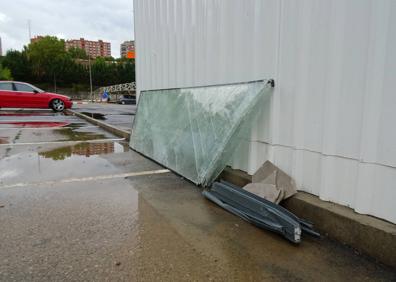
x=126, y=70
x=17, y=62
x=77, y=53
x=47, y=57
x=101, y=72
x=5, y=73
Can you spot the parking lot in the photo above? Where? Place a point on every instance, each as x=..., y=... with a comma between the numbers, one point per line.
x=120, y=116
x=77, y=204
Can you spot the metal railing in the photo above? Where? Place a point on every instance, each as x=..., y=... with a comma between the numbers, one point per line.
x=124, y=87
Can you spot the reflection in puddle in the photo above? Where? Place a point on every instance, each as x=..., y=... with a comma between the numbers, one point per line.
x=84, y=149
x=35, y=124
x=72, y=132
x=56, y=161
x=25, y=114
x=76, y=125
x=95, y=115
x=73, y=135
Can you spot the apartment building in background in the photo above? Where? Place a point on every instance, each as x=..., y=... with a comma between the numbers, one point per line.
x=36, y=38
x=127, y=49
x=92, y=48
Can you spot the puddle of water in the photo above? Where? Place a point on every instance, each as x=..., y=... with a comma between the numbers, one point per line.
x=25, y=114
x=38, y=124
x=83, y=149
x=54, y=162
x=53, y=134
x=73, y=134
x=12, y=125
x=77, y=125
x=98, y=116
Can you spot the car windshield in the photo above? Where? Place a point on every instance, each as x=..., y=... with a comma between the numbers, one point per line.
x=36, y=88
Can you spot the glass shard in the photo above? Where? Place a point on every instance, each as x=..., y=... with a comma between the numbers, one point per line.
x=194, y=131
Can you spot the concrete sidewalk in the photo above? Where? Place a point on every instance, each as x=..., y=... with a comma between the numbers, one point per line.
x=77, y=204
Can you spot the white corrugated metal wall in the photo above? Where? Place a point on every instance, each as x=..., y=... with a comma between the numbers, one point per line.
x=331, y=120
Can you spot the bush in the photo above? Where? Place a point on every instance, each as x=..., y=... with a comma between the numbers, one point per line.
x=5, y=73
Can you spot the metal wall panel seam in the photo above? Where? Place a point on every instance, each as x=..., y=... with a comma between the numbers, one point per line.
x=322, y=154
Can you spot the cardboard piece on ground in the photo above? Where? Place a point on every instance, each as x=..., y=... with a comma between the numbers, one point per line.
x=263, y=190
x=271, y=183
x=283, y=181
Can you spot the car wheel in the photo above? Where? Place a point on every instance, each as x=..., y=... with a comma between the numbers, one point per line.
x=57, y=105
x=123, y=102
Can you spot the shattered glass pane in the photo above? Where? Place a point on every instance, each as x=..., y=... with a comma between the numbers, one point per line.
x=194, y=131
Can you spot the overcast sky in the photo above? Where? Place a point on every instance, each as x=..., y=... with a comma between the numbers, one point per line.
x=109, y=20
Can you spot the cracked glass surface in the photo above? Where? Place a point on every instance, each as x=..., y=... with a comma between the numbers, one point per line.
x=194, y=131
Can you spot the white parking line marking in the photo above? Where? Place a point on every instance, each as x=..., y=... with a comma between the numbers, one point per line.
x=90, y=178
x=63, y=142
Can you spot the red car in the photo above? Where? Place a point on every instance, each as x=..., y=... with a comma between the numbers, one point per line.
x=14, y=94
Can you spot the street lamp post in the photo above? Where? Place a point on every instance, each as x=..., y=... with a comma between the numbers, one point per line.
x=90, y=76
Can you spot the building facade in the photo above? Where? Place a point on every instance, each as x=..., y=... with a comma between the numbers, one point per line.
x=126, y=48
x=36, y=38
x=330, y=121
x=92, y=48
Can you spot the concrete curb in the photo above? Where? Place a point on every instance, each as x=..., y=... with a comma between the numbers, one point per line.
x=112, y=129
x=368, y=235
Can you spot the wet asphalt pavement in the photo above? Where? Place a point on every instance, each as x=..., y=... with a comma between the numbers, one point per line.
x=120, y=116
x=77, y=205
